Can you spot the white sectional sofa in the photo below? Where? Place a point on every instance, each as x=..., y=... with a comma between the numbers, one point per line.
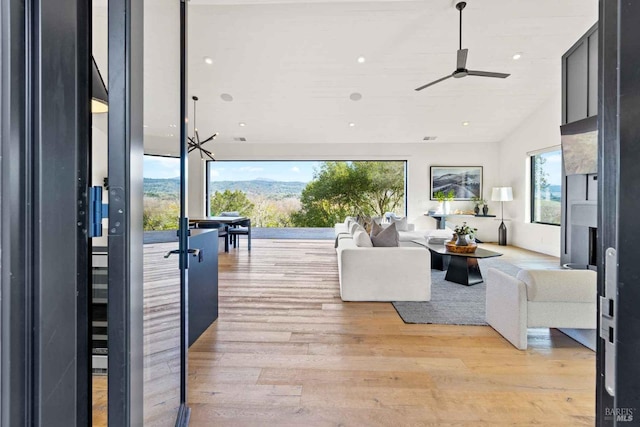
x=539, y=299
x=382, y=273
x=405, y=235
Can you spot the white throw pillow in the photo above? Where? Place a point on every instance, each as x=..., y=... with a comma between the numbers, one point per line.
x=354, y=227
x=362, y=239
x=401, y=223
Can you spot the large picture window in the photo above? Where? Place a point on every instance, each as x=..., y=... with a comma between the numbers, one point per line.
x=546, y=187
x=161, y=189
x=306, y=193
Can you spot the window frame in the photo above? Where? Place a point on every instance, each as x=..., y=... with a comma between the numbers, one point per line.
x=208, y=178
x=532, y=189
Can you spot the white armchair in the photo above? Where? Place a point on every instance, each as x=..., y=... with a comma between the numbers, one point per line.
x=539, y=299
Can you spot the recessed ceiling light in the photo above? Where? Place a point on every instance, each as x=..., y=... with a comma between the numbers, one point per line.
x=242, y=124
x=173, y=126
x=355, y=96
x=465, y=123
x=208, y=60
x=169, y=134
x=352, y=124
x=517, y=55
x=226, y=97
x=361, y=59
x=145, y=126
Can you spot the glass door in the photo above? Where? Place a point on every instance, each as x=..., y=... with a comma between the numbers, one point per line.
x=147, y=259
x=164, y=221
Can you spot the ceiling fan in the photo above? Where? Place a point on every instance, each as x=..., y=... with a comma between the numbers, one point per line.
x=461, y=67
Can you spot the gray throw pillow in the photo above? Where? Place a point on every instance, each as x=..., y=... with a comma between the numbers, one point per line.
x=375, y=229
x=388, y=237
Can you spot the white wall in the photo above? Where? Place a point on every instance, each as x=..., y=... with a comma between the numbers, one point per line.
x=539, y=131
x=419, y=158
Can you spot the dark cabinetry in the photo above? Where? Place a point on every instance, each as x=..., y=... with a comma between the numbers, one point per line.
x=580, y=78
x=579, y=192
x=203, y=282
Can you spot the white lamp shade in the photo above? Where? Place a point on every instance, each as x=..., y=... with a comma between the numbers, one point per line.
x=502, y=194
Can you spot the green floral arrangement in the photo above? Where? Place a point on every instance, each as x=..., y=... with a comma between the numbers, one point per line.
x=441, y=196
x=464, y=230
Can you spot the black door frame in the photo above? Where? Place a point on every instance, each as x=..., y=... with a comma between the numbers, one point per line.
x=46, y=133
x=619, y=178
x=125, y=139
x=125, y=288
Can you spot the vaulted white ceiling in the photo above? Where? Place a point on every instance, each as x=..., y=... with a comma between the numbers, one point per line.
x=291, y=66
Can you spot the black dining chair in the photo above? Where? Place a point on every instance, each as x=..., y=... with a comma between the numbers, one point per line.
x=223, y=231
x=242, y=228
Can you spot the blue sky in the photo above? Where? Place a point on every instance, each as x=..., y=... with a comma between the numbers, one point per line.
x=276, y=171
x=553, y=167
x=169, y=167
x=161, y=167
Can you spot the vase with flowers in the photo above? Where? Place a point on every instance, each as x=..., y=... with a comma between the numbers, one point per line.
x=444, y=199
x=464, y=234
x=464, y=239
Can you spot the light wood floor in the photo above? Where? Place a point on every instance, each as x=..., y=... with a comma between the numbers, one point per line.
x=286, y=351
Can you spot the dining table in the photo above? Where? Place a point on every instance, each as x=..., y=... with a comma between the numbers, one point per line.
x=231, y=221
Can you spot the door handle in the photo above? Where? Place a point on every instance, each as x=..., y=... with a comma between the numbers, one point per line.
x=194, y=252
x=175, y=251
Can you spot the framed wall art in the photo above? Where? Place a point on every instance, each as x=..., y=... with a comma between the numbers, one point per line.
x=464, y=181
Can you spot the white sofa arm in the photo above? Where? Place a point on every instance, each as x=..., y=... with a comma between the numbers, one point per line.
x=506, y=305
x=385, y=274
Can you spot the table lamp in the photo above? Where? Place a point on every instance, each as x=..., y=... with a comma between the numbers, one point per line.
x=502, y=194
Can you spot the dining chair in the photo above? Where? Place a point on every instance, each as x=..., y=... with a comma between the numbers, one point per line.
x=223, y=231
x=242, y=228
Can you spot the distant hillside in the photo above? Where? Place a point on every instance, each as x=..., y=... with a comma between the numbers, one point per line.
x=164, y=188
x=272, y=189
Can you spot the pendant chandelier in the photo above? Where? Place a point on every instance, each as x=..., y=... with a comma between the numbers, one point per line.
x=194, y=142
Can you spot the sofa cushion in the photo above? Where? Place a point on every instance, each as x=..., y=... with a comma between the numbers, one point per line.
x=388, y=237
x=560, y=285
x=355, y=226
x=348, y=220
x=362, y=239
x=401, y=223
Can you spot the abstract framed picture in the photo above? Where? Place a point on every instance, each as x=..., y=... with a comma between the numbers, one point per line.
x=464, y=181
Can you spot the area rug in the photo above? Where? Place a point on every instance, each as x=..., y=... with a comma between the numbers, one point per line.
x=451, y=303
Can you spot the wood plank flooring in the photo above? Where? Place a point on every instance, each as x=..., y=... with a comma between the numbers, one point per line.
x=287, y=351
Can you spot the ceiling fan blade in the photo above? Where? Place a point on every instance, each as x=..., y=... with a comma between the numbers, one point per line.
x=488, y=74
x=462, y=58
x=432, y=83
